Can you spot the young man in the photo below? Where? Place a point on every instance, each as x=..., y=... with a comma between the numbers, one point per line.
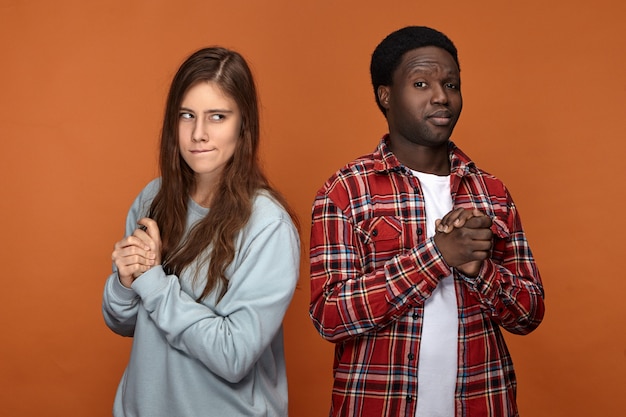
x=418, y=258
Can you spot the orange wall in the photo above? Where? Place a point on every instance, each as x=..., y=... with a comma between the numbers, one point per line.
x=82, y=87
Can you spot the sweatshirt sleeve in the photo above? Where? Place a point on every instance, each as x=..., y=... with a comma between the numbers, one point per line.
x=120, y=304
x=230, y=337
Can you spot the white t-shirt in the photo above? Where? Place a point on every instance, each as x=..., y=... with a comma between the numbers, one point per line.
x=437, y=366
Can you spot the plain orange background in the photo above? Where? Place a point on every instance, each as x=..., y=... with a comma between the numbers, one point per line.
x=82, y=90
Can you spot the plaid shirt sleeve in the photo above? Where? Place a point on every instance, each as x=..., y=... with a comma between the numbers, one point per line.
x=508, y=284
x=346, y=298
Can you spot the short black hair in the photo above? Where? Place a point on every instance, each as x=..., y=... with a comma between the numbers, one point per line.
x=388, y=54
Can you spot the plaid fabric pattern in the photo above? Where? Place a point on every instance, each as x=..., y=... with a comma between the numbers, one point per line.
x=372, y=268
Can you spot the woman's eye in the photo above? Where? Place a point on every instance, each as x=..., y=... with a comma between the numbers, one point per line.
x=186, y=115
x=216, y=117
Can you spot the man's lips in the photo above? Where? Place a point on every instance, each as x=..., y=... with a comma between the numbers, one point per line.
x=440, y=118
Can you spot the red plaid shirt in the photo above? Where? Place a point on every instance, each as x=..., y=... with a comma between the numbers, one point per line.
x=372, y=268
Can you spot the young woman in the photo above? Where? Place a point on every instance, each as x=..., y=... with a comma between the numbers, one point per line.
x=210, y=260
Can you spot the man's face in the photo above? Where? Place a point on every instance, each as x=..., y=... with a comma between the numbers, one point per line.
x=424, y=102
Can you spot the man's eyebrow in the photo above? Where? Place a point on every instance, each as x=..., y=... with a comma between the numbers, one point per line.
x=427, y=68
x=419, y=68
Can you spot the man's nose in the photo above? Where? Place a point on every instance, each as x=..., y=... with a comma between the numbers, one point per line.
x=440, y=95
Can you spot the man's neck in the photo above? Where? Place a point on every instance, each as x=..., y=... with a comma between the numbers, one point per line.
x=430, y=160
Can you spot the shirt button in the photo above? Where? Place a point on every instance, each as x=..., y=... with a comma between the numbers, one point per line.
x=419, y=232
x=375, y=232
x=409, y=399
x=411, y=356
x=416, y=316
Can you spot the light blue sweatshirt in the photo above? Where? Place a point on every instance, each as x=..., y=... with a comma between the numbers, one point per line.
x=211, y=358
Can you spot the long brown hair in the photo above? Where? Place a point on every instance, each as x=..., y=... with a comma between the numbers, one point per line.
x=241, y=178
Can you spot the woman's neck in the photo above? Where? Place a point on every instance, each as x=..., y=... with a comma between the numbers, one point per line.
x=203, y=192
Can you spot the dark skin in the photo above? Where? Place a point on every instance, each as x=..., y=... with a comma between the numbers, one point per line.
x=422, y=107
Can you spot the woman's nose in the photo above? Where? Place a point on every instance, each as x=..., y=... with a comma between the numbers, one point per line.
x=199, y=133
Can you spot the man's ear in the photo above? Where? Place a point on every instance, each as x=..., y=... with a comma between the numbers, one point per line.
x=383, y=96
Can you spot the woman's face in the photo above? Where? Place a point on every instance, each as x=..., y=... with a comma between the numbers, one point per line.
x=209, y=125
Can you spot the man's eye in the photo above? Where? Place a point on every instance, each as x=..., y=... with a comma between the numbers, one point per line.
x=419, y=84
x=452, y=86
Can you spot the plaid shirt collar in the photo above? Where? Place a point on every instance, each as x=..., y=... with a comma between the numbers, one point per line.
x=386, y=161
